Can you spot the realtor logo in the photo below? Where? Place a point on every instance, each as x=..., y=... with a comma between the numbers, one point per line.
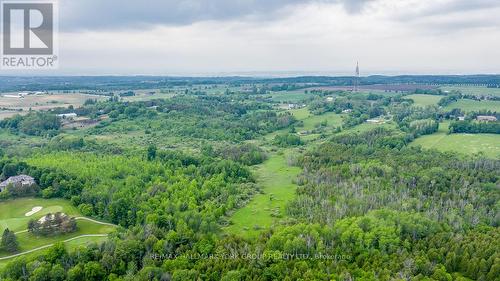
x=28, y=30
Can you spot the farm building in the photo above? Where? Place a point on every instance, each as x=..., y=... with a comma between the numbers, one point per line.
x=67, y=115
x=486, y=118
x=17, y=181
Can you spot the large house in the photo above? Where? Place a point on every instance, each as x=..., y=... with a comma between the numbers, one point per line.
x=17, y=181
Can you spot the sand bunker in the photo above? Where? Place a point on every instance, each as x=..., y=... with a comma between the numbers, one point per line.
x=33, y=211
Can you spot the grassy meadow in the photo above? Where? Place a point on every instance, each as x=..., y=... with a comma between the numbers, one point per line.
x=473, y=105
x=474, y=90
x=487, y=144
x=424, y=100
x=275, y=179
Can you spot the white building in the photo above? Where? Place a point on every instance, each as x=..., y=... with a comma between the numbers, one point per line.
x=67, y=115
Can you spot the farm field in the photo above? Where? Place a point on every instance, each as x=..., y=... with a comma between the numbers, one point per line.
x=45, y=101
x=473, y=105
x=425, y=100
x=488, y=144
x=275, y=178
x=145, y=95
x=13, y=215
x=473, y=90
x=289, y=96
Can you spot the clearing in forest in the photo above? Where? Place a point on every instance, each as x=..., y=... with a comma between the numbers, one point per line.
x=275, y=178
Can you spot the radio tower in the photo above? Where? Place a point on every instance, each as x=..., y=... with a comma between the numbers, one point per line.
x=356, y=78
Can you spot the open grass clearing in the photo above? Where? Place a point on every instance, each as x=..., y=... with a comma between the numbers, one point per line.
x=468, y=144
x=275, y=178
x=473, y=105
x=425, y=100
x=474, y=90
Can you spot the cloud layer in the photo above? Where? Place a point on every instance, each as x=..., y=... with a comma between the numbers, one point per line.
x=115, y=14
x=308, y=36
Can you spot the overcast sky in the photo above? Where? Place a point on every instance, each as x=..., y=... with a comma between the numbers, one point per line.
x=214, y=37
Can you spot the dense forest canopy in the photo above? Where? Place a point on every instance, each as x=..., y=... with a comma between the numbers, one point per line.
x=170, y=173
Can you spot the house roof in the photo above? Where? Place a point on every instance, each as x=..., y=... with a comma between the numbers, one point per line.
x=22, y=179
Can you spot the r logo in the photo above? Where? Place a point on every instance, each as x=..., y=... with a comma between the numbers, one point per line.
x=28, y=28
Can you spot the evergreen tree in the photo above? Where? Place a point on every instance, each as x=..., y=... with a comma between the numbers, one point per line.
x=9, y=241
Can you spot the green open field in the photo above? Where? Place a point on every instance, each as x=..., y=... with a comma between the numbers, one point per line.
x=368, y=126
x=474, y=90
x=275, y=179
x=424, y=100
x=332, y=119
x=12, y=211
x=13, y=216
x=473, y=105
x=45, y=101
x=289, y=96
x=468, y=144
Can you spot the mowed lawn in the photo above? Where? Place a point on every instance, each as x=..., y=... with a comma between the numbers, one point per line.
x=275, y=179
x=12, y=215
x=488, y=144
x=424, y=100
x=12, y=212
x=473, y=105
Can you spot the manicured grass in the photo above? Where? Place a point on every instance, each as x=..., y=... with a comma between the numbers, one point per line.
x=29, y=241
x=424, y=100
x=467, y=144
x=12, y=211
x=12, y=215
x=473, y=105
x=474, y=90
x=275, y=179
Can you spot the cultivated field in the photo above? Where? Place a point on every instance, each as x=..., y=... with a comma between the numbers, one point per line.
x=474, y=90
x=488, y=144
x=289, y=96
x=44, y=101
x=472, y=105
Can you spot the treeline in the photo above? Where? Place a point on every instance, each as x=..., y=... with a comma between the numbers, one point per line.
x=376, y=169
x=472, y=127
x=381, y=245
x=34, y=124
x=247, y=154
x=228, y=118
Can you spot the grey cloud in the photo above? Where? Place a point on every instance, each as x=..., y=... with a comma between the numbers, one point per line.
x=119, y=14
x=456, y=15
x=447, y=8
